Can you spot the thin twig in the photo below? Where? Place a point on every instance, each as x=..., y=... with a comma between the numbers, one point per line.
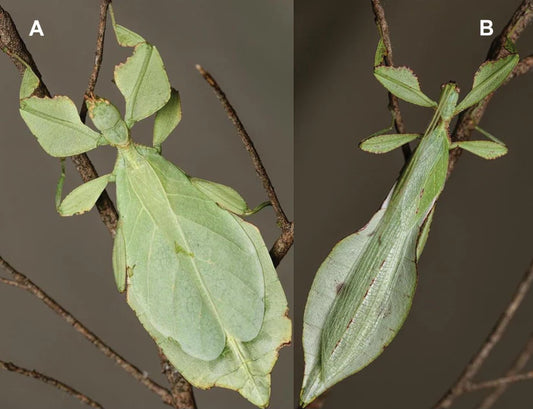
x=506, y=380
x=285, y=241
x=469, y=119
x=9, y=366
x=394, y=105
x=98, y=56
x=23, y=282
x=519, y=364
x=473, y=367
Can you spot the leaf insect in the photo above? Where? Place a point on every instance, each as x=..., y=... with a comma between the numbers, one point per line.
x=199, y=278
x=363, y=290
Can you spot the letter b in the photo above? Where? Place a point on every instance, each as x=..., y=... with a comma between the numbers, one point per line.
x=485, y=28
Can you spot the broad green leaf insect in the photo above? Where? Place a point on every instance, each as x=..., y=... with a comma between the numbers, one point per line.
x=198, y=276
x=362, y=292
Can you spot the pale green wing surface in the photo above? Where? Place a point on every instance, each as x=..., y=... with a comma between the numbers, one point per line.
x=484, y=149
x=381, y=52
x=424, y=233
x=367, y=340
x=195, y=275
x=386, y=143
x=57, y=125
x=29, y=83
x=83, y=198
x=125, y=37
x=242, y=366
x=225, y=196
x=143, y=82
x=167, y=118
x=403, y=83
x=119, y=259
x=489, y=76
x=328, y=282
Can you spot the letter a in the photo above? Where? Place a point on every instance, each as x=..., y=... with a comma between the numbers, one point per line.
x=36, y=28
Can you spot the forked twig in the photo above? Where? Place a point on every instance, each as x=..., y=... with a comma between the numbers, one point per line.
x=21, y=281
x=11, y=367
x=465, y=380
x=286, y=239
x=519, y=364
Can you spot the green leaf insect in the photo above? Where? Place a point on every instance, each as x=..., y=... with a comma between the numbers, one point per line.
x=199, y=278
x=362, y=292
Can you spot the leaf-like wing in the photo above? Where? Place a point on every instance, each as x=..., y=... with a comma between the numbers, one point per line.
x=57, y=125
x=195, y=273
x=368, y=340
x=386, y=143
x=488, y=78
x=125, y=37
x=403, y=83
x=29, y=83
x=363, y=291
x=167, y=118
x=484, y=149
x=225, y=196
x=143, y=81
x=120, y=266
x=83, y=198
x=242, y=366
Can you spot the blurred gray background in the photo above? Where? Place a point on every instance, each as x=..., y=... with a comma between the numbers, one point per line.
x=247, y=45
x=480, y=242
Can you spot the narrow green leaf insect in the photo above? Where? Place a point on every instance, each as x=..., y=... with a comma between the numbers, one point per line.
x=362, y=292
x=199, y=278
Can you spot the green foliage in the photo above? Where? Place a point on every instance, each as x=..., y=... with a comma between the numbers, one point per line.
x=386, y=143
x=403, y=83
x=484, y=149
x=143, y=82
x=226, y=197
x=199, y=278
x=242, y=366
x=488, y=78
x=363, y=291
x=57, y=125
x=83, y=198
x=167, y=118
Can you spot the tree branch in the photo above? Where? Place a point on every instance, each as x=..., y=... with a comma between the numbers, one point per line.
x=523, y=67
x=469, y=119
x=519, y=364
x=23, y=282
x=286, y=239
x=182, y=391
x=394, y=106
x=462, y=384
x=11, y=367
